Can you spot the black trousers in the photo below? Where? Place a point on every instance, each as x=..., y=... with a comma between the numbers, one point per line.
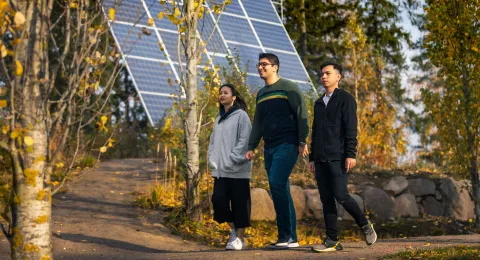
x=231, y=201
x=332, y=181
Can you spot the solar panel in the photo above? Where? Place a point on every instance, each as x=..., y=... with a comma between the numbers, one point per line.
x=273, y=36
x=263, y=10
x=245, y=29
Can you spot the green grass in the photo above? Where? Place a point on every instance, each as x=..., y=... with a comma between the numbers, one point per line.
x=87, y=161
x=447, y=253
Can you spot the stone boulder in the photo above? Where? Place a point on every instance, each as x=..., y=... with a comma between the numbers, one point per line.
x=365, y=184
x=457, y=201
x=352, y=188
x=313, y=204
x=395, y=185
x=298, y=197
x=433, y=207
x=421, y=210
x=406, y=206
x=262, y=205
x=421, y=187
x=378, y=201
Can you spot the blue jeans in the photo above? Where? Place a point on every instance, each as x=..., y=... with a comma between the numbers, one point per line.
x=279, y=163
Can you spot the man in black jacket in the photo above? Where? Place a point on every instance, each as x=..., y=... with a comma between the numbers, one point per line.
x=333, y=152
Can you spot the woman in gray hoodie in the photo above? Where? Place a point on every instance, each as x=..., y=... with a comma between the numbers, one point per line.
x=226, y=156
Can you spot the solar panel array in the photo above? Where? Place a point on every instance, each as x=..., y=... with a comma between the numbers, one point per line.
x=245, y=28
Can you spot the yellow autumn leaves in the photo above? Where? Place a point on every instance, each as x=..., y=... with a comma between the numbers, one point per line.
x=12, y=26
x=101, y=125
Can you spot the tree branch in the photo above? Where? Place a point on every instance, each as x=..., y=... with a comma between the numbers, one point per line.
x=6, y=234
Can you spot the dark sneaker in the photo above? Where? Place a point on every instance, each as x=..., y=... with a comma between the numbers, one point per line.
x=280, y=244
x=369, y=233
x=328, y=246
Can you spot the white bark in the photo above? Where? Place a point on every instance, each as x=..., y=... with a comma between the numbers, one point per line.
x=191, y=120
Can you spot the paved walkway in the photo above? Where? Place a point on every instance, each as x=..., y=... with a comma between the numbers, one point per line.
x=95, y=219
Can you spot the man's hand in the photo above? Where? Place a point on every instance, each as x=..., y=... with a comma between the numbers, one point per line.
x=311, y=166
x=249, y=155
x=303, y=150
x=350, y=163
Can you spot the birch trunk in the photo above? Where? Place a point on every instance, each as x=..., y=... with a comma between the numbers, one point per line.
x=31, y=210
x=192, y=130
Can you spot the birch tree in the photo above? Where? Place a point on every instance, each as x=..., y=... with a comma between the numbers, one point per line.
x=190, y=47
x=57, y=69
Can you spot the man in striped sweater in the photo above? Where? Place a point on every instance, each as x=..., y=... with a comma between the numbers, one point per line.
x=281, y=118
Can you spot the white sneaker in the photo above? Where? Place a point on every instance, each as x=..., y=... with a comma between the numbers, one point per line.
x=292, y=244
x=236, y=244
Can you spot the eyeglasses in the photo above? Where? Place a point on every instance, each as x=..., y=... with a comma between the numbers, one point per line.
x=264, y=64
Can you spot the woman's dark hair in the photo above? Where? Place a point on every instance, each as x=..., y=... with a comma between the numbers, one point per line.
x=239, y=103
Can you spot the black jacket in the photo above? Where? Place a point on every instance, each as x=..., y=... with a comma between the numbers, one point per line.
x=334, y=129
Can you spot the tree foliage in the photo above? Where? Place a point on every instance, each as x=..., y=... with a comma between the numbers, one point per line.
x=452, y=43
x=380, y=139
x=366, y=38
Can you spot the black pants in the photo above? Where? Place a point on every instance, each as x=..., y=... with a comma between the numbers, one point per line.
x=332, y=182
x=231, y=201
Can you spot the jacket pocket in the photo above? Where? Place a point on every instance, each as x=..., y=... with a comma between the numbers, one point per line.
x=213, y=162
x=229, y=165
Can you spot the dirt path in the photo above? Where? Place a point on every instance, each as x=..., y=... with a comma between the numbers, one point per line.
x=95, y=219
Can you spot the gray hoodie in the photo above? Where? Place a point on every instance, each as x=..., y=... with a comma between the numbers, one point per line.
x=228, y=146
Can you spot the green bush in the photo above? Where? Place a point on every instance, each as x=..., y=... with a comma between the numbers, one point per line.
x=87, y=161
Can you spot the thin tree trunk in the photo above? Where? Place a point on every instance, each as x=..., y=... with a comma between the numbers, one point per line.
x=192, y=200
x=475, y=188
x=472, y=147
x=303, y=31
x=31, y=210
x=355, y=80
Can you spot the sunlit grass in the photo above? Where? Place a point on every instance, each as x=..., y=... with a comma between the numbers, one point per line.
x=447, y=253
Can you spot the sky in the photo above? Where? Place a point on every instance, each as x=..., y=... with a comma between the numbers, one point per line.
x=413, y=139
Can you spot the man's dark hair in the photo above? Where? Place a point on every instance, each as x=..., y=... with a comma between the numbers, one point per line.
x=272, y=58
x=335, y=65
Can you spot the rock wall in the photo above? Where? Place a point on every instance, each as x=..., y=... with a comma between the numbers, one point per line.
x=397, y=197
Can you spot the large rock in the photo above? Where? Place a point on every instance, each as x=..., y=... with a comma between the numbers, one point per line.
x=457, y=201
x=359, y=201
x=421, y=187
x=352, y=188
x=313, y=203
x=406, y=206
x=262, y=205
x=432, y=207
x=365, y=184
x=379, y=202
x=298, y=197
x=421, y=210
x=395, y=185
